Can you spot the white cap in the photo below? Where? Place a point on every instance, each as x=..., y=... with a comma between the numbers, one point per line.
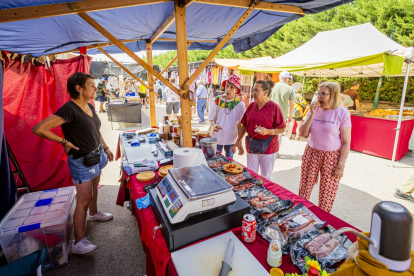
x=285, y=74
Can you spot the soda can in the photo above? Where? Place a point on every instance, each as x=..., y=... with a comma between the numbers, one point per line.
x=249, y=228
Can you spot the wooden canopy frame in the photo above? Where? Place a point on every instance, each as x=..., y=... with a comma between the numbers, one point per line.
x=178, y=16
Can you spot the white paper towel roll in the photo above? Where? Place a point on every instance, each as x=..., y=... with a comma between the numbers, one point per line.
x=187, y=157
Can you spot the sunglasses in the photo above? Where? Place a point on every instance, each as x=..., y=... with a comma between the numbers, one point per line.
x=323, y=94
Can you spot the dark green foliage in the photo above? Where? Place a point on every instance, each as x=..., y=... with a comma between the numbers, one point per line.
x=390, y=91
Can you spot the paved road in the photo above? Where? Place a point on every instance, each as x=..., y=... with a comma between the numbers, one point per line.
x=367, y=181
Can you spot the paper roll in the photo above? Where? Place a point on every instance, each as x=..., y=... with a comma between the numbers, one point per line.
x=187, y=157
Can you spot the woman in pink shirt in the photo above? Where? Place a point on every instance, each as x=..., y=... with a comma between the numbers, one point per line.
x=328, y=125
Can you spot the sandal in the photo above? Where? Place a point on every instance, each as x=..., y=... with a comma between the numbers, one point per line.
x=297, y=138
x=291, y=138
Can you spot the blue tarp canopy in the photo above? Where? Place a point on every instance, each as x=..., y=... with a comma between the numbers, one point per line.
x=210, y=22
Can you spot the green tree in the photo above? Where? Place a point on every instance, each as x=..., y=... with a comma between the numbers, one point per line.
x=389, y=16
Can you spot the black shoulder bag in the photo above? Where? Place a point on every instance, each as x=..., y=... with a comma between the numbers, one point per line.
x=259, y=146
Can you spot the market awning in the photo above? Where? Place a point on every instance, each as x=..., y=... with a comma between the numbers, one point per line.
x=207, y=20
x=349, y=52
x=235, y=63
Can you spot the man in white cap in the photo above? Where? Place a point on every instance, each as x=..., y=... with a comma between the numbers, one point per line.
x=284, y=96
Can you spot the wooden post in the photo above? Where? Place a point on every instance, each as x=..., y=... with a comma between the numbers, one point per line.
x=124, y=48
x=181, y=30
x=151, y=96
x=123, y=67
x=222, y=42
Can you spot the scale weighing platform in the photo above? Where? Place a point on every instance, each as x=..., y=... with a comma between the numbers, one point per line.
x=193, y=203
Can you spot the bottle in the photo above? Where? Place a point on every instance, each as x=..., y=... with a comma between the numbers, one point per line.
x=274, y=254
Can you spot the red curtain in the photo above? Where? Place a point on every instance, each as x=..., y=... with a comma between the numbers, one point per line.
x=30, y=95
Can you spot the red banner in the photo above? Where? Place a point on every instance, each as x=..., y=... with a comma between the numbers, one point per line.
x=32, y=93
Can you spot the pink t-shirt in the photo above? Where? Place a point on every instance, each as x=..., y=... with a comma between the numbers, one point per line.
x=325, y=128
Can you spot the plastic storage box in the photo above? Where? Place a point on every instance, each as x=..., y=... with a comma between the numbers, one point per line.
x=38, y=220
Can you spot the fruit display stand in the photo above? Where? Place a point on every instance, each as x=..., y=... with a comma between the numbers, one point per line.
x=375, y=136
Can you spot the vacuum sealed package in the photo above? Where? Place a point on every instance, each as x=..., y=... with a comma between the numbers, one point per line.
x=319, y=245
x=298, y=222
x=218, y=162
x=273, y=233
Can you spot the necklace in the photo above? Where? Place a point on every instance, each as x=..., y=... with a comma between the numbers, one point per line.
x=227, y=105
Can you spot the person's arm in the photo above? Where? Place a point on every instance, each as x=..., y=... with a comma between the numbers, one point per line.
x=241, y=131
x=291, y=109
x=266, y=131
x=197, y=94
x=108, y=152
x=43, y=128
x=345, y=133
x=304, y=129
x=357, y=105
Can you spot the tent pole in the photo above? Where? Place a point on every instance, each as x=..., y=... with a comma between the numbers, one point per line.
x=394, y=152
x=124, y=48
x=151, y=98
x=377, y=94
x=303, y=84
x=251, y=88
x=223, y=42
x=123, y=67
x=181, y=31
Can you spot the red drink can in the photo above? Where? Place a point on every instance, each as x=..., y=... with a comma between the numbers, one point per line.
x=249, y=228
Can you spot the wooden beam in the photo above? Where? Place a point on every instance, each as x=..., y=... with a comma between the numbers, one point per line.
x=33, y=12
x=265, y=6
x=223, y=42
x=167, y=23
x=181, y=31
x=192, y=41
x=123, y=67
x=172, y=61
x=128, y=51
x=151, y=92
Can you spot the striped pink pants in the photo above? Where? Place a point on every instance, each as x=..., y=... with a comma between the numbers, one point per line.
x=314, y=163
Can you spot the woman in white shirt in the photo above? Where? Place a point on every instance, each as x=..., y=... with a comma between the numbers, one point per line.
x=226, y=111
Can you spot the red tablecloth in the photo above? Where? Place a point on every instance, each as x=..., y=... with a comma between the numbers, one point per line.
x=158, y=255
x=376, y=136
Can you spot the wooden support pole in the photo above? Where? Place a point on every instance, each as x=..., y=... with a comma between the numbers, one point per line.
x=172, y=61
x=222, y=42
x=181, y=31
x=128, y=51
x=164, y=26
x=123, y=67
x=151, y=92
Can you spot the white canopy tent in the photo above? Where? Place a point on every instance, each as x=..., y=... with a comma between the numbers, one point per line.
x=356, y=51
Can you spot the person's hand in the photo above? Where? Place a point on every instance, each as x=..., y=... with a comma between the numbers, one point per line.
x=339, y=171
x=288, y=120
x=68, y=146
x=217, y=128
x=238, y=146
x=314, y=107
x=109, y=154
x=263, y=131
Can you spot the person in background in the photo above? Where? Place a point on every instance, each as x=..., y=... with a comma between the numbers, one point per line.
x=143, y=95
x=172, y=100
x=284, y=96
x=226, y=112
x=345, y=99
x=263, y=121
x=159, y=92
x=299, y=107
x=81, y=129
x=354, y=94
x=406, y=190
x=328, y=127
x=201, y=95
x=101, y=93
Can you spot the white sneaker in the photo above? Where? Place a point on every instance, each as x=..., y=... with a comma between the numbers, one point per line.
x=100, y=216
x=83, y=246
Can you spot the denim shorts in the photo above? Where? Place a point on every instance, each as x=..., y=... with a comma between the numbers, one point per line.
x=80, y=173
x=101, y=99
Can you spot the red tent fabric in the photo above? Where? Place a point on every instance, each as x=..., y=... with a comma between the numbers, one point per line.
x=32, y=93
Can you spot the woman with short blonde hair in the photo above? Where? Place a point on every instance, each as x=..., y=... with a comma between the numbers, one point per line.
x=328, y=127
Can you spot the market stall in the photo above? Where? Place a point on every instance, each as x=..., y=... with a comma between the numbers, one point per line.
x=333, y=54
x=158, y=250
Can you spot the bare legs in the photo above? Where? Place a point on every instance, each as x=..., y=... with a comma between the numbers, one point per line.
x=87, y=197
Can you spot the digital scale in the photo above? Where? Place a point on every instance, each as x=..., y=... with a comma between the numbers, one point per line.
x=191, y=191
